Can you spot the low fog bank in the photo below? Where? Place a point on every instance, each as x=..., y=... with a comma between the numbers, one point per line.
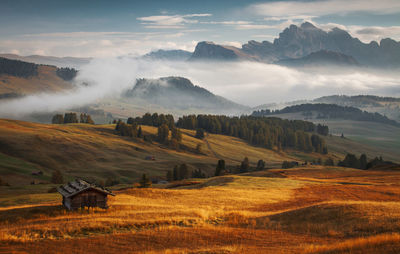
x=247, y=83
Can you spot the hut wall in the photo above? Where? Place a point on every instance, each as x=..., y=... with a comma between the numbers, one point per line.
x=89, y=198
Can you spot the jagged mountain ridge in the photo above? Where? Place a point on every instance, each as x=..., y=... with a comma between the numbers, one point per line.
x=300, y=41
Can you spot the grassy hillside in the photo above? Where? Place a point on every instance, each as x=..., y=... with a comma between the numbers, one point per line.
x=371, y=138
x=45, y=81
x=97, y=152
x=311, y=209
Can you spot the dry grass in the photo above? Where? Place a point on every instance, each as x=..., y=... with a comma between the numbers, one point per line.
x=302, y=212
x=97, y=152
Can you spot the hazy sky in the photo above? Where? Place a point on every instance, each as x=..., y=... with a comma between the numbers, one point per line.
x=113, y=28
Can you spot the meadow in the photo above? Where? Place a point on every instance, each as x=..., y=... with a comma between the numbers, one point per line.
x=307, y=209
x=312, y=209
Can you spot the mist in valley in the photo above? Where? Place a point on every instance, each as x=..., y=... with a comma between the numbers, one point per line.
x=246, y=83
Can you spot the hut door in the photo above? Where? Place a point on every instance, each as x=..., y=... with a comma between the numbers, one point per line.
x=92, y=200
x=85, y=201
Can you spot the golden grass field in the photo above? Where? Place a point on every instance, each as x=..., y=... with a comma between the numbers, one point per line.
x=96, y=151
x=312, y=209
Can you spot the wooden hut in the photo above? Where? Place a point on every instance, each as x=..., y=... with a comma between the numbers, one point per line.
x=79, y=193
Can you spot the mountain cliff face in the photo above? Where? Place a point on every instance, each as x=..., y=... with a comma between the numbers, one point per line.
x=179, y=93
x=300, y=41
x=322, y=57
x=211, y=51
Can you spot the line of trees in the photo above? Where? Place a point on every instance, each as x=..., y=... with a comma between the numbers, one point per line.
x=155, y=120
x=72, y=118
x=18, y=68
x=351, y=161
x=272, y=133
x=330, y=111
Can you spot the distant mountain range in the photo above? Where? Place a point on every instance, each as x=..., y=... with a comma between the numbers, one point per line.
x=387, y=106
x=72, y=62
x=180, y=93
x=302, y=42
x=329, y=111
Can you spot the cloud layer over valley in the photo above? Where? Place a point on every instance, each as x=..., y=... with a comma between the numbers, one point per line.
x=248, y=83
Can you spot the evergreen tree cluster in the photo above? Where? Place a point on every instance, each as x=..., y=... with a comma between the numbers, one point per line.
x=66, y=74
x=179, y=173
x=128, y=130
x=198, y=174
x=351, y=161
x=322, y=130
x=266, y=132
x=220, y=169
x=18, y=68
x=155, y=120
x=145, y=182
x=86, y=118
x=72, y=118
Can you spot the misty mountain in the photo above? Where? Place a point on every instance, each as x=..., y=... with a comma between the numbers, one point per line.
x=171, y=55
x=180, y=93
x=300, y=41
x=357, y=101
x=388, y=106
x=72, y=62
x=322, y=57
x=329, y=111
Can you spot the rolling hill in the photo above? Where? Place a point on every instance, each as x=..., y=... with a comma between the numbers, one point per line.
x=19, y=78
x=368, y=129
x=71, y=62
x=97, y=152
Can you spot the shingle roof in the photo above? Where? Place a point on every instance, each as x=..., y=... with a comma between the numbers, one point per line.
x=77, y=186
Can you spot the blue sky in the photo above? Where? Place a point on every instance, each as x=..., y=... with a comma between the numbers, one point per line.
x=113, y=28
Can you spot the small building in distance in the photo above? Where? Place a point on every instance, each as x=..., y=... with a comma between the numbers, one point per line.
x=79, y=194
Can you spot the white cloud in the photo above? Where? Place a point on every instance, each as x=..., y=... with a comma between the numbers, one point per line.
x=254, y=27
x=323, y=7
x=95, y=44
x=170, y=21
x=231, y=22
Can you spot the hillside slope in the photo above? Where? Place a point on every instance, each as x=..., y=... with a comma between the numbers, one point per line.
x=74, y=62
x=19, y=78
x=97, y=152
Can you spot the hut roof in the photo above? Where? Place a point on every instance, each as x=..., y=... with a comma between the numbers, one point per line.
x=77, y=186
